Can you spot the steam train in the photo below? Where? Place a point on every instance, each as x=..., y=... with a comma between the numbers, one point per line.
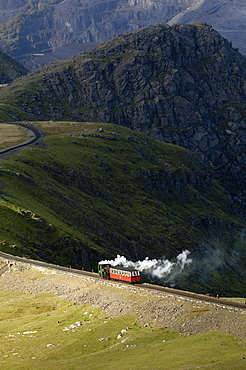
x=128, y=274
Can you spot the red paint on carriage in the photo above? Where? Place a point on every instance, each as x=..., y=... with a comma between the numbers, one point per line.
x=128, y=274
x=130, y=279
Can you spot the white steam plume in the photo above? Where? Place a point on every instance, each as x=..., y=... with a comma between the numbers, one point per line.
x=156, y=268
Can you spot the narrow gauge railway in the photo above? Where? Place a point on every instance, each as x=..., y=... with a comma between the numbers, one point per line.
x=155, y=288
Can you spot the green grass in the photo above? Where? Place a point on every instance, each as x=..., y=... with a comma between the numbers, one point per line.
x=32, y=336
x=98, y=193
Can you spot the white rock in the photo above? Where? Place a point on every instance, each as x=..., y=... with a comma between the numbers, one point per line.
x=30, y=332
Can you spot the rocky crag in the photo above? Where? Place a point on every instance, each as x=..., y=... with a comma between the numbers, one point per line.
x=32, y=30
x=183, y=84
x=228, y=17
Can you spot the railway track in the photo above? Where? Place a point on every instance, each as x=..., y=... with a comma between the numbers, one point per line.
x=38, y=135
x=155, y=288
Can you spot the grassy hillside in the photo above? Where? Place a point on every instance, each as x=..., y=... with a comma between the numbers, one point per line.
x=11, y=135
x=43, y=330
x=181, y=84
x=93, y=191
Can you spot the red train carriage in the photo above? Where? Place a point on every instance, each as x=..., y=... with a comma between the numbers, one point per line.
x=106, y=271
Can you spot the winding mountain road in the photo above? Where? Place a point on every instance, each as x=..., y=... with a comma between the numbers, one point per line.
x=38, y=135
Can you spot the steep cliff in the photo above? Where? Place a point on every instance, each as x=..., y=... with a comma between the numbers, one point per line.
x=183, y=84
x=31, y=30
x=35, y=28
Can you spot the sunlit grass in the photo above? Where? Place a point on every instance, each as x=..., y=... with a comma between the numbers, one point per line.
x=12, y=135
x=41, y=331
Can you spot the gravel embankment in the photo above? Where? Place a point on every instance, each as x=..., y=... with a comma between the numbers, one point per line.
x=175, y=313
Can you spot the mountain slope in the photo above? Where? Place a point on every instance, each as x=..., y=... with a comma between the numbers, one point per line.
x=227, y=17
x=92, y=191
x=183, y=84
x=32, y=30
x=37, y=28
x=10, y=69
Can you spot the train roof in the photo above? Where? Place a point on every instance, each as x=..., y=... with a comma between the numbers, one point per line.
x=118, y=267
x=122, y=268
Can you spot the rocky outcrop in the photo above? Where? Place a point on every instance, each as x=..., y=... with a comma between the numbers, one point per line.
x=33, y=30
x=226, y=16
x=37, y=28
x=183, y=84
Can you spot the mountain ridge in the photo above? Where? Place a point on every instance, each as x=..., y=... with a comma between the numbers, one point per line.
x=32, y=30
x=94, y=190
x=182, y=84
x=227, y=17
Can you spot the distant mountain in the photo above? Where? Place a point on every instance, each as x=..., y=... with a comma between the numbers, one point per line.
x=32, y=30
x=183, y=84
x=227, y=17
x=10, y=69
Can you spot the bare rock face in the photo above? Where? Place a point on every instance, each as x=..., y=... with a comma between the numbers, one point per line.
x=32, y=30
x=9, y=9
x=38, y=28
x=228, y=17
x=183, y=84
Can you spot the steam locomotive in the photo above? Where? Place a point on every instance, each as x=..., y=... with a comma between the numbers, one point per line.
x=128, y=274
